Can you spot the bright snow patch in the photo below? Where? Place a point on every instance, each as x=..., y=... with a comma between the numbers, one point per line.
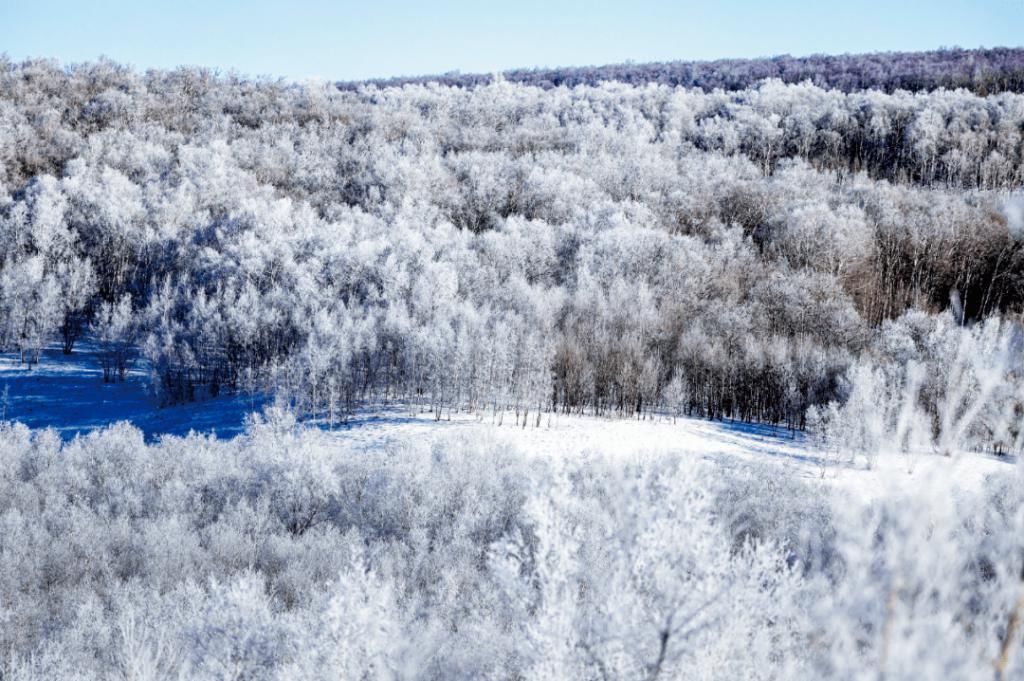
x=67, y=394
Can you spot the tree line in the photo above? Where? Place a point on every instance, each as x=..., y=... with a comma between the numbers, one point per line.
x=982, y=71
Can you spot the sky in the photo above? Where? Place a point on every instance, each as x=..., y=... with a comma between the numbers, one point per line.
x=343, y=40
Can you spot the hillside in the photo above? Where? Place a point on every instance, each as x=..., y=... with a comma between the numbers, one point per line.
x=612, y=249
x=687, y=371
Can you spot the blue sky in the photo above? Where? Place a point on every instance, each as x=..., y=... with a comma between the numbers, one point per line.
x=354, y=40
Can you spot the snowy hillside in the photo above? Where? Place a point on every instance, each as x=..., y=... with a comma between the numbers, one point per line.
x=625, y=380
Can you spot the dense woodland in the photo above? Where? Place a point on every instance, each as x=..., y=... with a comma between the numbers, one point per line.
x=844, y=255
x=609, y=249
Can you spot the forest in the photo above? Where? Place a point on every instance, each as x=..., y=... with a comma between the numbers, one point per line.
x=819, y=258
x=610, y=249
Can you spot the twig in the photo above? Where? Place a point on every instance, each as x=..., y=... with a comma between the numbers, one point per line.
x=1003, y=661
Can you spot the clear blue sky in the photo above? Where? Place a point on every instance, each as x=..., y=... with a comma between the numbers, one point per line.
x=354, y=40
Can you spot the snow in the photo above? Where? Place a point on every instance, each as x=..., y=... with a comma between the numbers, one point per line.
x=67, y=394
x=721, y=443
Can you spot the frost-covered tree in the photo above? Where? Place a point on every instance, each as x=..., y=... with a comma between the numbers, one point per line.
x=114, y=330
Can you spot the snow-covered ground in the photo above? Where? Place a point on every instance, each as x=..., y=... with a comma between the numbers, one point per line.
x=67, y=393
x=723, y=443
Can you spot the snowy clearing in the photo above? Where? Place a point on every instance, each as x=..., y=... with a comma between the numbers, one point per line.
x=721, y=443
x=67, y=394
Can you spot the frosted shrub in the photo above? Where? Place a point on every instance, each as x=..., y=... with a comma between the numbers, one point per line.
x=654, y=585
x=197, y=558
x=932, y=387
x=927, y=589
x=235, y=634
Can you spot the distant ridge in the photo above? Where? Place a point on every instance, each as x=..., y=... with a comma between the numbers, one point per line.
x=982, y=71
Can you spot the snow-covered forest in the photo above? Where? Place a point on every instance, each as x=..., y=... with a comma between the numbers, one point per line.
x=608, y=249
x=836, y=257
